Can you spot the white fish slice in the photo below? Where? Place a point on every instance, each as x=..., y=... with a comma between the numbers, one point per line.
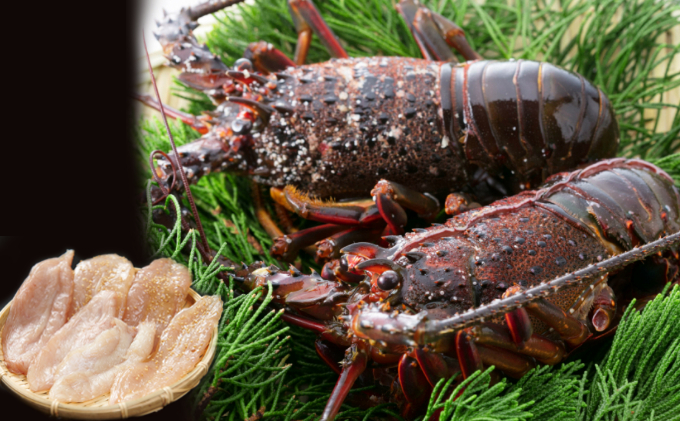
x=108, y=272
x=181, y=346
x=93, y=319
x=38, y=311
x=88, y=372
x=158, y=292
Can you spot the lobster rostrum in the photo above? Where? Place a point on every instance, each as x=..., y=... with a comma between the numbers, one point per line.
x=406, y=131
x=477, y=290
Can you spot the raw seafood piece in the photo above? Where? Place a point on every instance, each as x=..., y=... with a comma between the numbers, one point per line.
x=38, y=311
x=108, y=272
x=182, y=344
x=157, y=293
x=88, y=372
x=142, y=346
x=85, y=385
x=96, y=317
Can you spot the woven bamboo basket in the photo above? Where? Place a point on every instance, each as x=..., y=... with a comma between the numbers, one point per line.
x=99, y=408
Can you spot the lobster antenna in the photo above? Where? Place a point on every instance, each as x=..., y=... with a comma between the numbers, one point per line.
x=477, y=315
x=209, y=7
x=174, y=149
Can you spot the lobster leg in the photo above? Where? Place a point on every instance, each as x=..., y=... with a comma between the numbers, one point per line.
x=604, y=308
x=339, y=269
x=511, y=363
x=414, y=384
x=424, y=24
x=468, y=354
x=307, y=19
x=286, y=247
x=408, y=10
x=435, y=365
x=354, y=364
x=329, y=248
x=392, y=197
x=329, y=353
x=284, y=219
x=572, y=330
x=434, y=34
x=266, y=58
x=491, y=344
x=517, y=320
x=347, y=213
x=273, y=230
x=262, y=215
x=498, y=336
x=457, y=203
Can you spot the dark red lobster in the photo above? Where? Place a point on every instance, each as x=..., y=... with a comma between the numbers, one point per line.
x=407, y=131
x=474, y=292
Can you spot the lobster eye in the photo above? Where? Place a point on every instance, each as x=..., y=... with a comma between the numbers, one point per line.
x=243, y=64
x=241, y=126
x=344, y=266
x=388, y=280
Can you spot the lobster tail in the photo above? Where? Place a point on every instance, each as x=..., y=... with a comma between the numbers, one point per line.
x=622, y=202
x=528, y=117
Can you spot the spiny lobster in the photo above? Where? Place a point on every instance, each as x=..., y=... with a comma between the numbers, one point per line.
x=407, y=131
x=452, y=298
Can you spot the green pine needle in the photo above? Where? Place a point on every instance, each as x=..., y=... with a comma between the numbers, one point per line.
x=638, y=379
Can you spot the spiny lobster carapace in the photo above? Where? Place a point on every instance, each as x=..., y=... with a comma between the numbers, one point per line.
x=525, y=280
x=407, y=131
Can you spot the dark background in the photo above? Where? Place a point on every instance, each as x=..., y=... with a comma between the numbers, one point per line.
x=68, y=174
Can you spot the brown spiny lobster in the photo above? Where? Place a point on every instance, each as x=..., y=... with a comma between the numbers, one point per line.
x=407, y=131
x=474, y=292
x=524, y=280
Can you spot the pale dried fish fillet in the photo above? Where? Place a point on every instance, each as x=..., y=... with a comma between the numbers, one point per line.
x=88, y=371
x=38, y=311
x=142, y=346
x=157, y=293
x=108, y=272
x=182, y=344
x=85, y=385
x=97, y=316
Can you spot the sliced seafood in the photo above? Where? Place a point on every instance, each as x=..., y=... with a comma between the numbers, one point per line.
x=88, y=372
x=108, y=272
x=142, y=346
x=96, y=317
x=182, y=344
x=157, y=293
x=38, y=311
